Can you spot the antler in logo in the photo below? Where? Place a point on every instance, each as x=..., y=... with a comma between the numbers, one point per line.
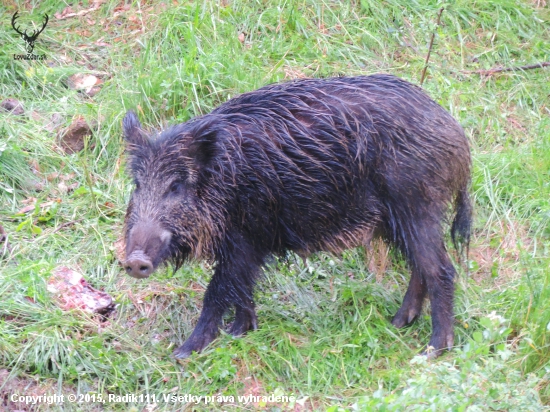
x=29, y=39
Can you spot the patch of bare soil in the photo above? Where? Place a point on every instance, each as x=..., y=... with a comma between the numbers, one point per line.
x=72, y=140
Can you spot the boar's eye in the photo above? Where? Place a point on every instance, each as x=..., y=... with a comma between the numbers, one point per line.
x=136, y=183
x=176, y=188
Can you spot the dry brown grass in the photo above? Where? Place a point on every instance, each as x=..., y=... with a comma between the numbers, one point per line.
x=497, y=250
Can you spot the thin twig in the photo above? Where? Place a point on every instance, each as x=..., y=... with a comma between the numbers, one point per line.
x=63, y=225
x=507, y=69
x=4, y=239
x=430, y=48
x=6, y=251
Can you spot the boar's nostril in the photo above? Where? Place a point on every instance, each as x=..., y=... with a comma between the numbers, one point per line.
x=138, y=267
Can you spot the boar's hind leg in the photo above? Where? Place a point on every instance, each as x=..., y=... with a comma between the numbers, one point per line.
x=232, y=284
x=439, y=277
x=412, y=302
x=432, y=272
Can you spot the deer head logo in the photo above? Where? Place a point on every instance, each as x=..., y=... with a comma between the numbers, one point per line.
x=29, y=38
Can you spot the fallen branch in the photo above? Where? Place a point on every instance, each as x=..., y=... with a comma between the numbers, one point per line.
x=507, y=69
x=430, y=47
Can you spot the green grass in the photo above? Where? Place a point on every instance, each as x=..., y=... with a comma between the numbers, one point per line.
x=325, y=335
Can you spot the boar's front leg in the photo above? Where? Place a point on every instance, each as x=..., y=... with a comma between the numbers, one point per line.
x=232, y=284
x=245, y=319
x=214, y=306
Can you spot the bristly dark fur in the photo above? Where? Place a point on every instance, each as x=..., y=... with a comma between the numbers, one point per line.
x=304, y=166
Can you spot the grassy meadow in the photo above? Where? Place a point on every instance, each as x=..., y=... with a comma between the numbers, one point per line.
x=325, y=337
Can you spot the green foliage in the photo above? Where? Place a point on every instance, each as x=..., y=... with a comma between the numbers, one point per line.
x=476, y=379
x=14, y=173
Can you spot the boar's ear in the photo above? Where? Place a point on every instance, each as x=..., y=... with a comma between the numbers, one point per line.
x=132, y=130
x=203, y=149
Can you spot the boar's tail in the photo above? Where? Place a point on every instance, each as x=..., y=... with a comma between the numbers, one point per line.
x=462, y=222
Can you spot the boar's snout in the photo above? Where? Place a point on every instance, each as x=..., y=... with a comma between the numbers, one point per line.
x=147, y=244
x=138, y=265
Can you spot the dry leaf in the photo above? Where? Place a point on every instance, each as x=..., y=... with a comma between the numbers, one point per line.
x=63, y=15
x=37, y=117
x=65, y=59
x=62, y=187
x=30, y=207
x=72, y=186
x=101, y=43
x=25, y=209
x=68, y=176
x=52, y=176
x=29, y=200
x=35, y=166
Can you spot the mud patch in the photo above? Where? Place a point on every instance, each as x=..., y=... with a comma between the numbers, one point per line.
x=12, y=105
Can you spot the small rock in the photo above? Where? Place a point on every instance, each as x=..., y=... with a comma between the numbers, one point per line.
x=12, y=105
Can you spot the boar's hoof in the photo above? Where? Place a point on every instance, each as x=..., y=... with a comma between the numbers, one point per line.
x=245, y=320
x=183, y=352
x=438, y=343
x=195, y=343
x=138, y=265
x=405, y=317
